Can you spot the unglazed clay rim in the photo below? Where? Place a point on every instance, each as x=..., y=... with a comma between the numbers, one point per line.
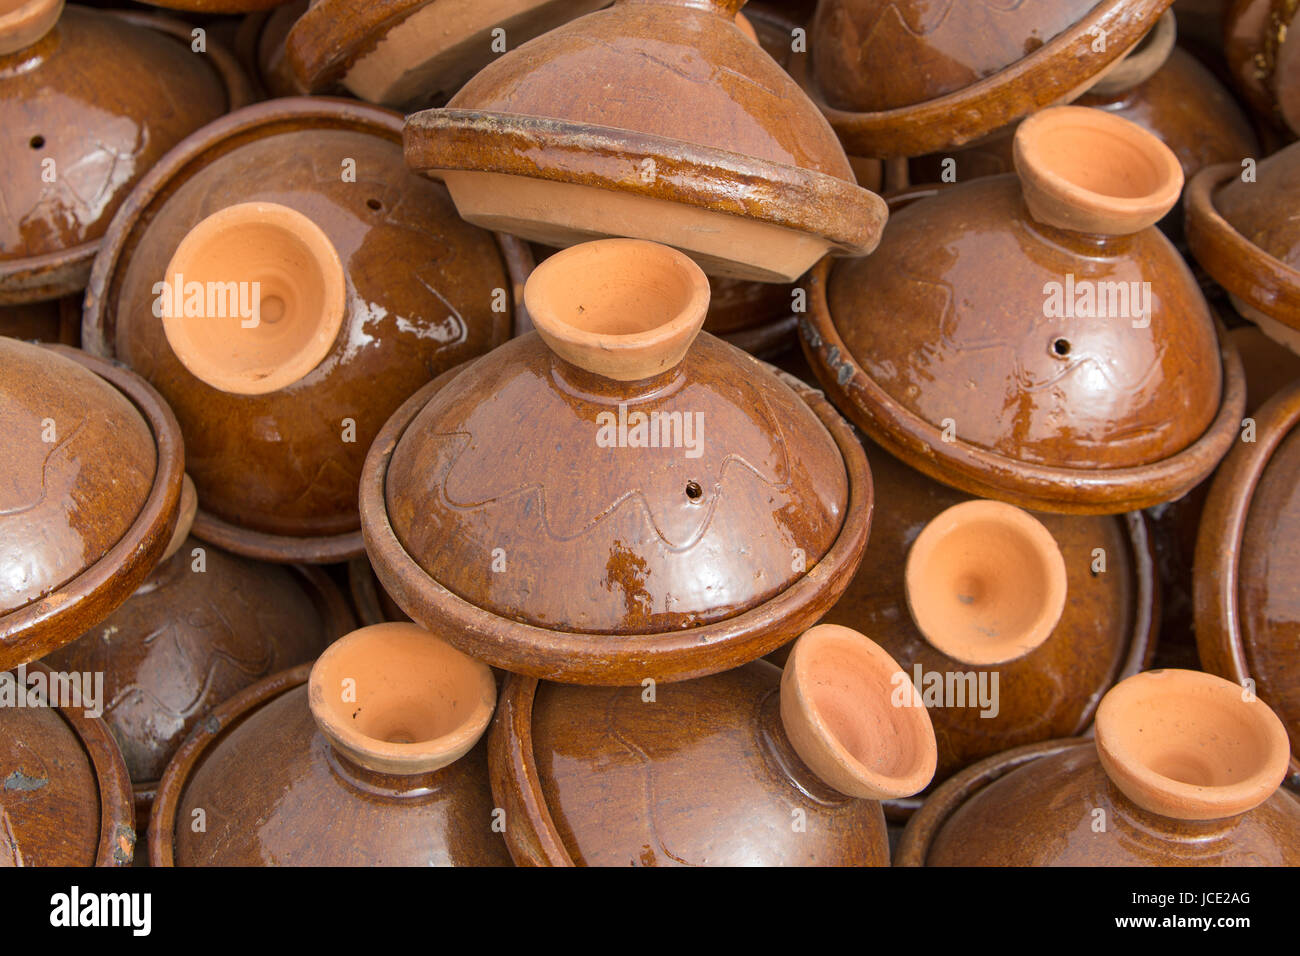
x=74, y=607
x=25, y=25
x=67, y=271
x=799, y=707
x=813, y=203
x=189, y=506
x=1104, y=213
x=996, y=100
x=988, y=474
x=155, y=188
x=1241, y=267
x=918, y=836
x=577, y=658
x=1220, y=640
x=1030, y=529
x=1167, y=796
x=1139, y=65
x=223, y=719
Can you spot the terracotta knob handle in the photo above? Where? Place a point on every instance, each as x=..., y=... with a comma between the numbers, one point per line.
x=1189, y=745
x=626, y=309
x=253, y=298
x=1141, y=62
x=1090, y=171
x=23, y=22
x=189, y=507
x=854, y=717
x=985, y=582
x=396, y=699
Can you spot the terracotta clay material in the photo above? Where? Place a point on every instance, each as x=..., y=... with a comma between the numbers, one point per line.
x=1245, y=235
x=986, y=582
x=600, y=777
x=1246, y=565
x=65, y=799
x=259, y=44
x=741, y=173
x=91, y=495
x=1056, y=370
x=277, y=470
x=414, y=53
x=297, y=304
x=52, y=320
x=1035, y=806
x=373, y=604
x=23, y=22
x=216, y=6
x=393, y=777
x=1264, y=57
x=505, y=506
x=100, y=143
x=943, y=75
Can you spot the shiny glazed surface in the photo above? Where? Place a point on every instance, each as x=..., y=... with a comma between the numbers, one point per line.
x=79, y=464
x=1265, y=211
x=704, y=775
x=615, y=540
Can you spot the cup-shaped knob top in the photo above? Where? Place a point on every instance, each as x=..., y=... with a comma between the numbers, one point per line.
x=1090, y=171
x=1189, y=745
x=23, y=22
x=985, y=582
x=396, y=699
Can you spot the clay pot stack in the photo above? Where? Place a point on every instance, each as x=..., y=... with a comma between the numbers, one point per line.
x=404, y=481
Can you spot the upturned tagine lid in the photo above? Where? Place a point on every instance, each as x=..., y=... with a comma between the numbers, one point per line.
x=604, y=776
x=366, y=285
x=1036, y=339
x=616, y=497
x=708, y=145
x=89, y=493
x=1248, y=562
x=414, y=53
x=907, y=78
x=1242, y=227
x=80, y=124
x=65, y=798
x=372, y=756
x=1184, y=771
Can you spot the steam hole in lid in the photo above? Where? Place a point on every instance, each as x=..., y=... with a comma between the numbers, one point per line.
x=1061, y=347
x=693, y=490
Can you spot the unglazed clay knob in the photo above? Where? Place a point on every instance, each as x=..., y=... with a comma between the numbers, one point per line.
x=396, y=699
x=985, y=582
x=1189, y=745
x=254, y=299
x=23, y=22
x=1088, y=171
x=854, y=717
x=626, y=309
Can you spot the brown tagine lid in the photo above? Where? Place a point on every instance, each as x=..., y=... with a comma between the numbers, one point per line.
x=961, y=592
x=369, y=757
x=1242, y=228
x=709, y=145
x=616, y=496
x=65, y=799
x=203, y=626
x=611, y=776
x=1036, y=339
x=1247, y=562
x=1264, y=57
x=216, y=6
x=944, y=74
x=1184, y=771
x=356, y=283
x=415, y=53
x=89, y=497
x=80, y=124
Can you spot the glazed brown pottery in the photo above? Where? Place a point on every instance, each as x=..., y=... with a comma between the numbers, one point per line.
x=414, y=53
x=1106, y=629
x=65, y=799
x=710, y=146
x=373, y=604
x=612, y=776
x=1183, y=772
x=1248, y=565
x=216, y=6
x=1264, y=58
x=259, y=44
x=89, y=496
x=203, y=626
x=1036, y=341
x=907, y=77
x=613, y=498
x=51, y=320
x=1242, y=227
x=388, y=288
x=81, y=121
x=376, y=760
